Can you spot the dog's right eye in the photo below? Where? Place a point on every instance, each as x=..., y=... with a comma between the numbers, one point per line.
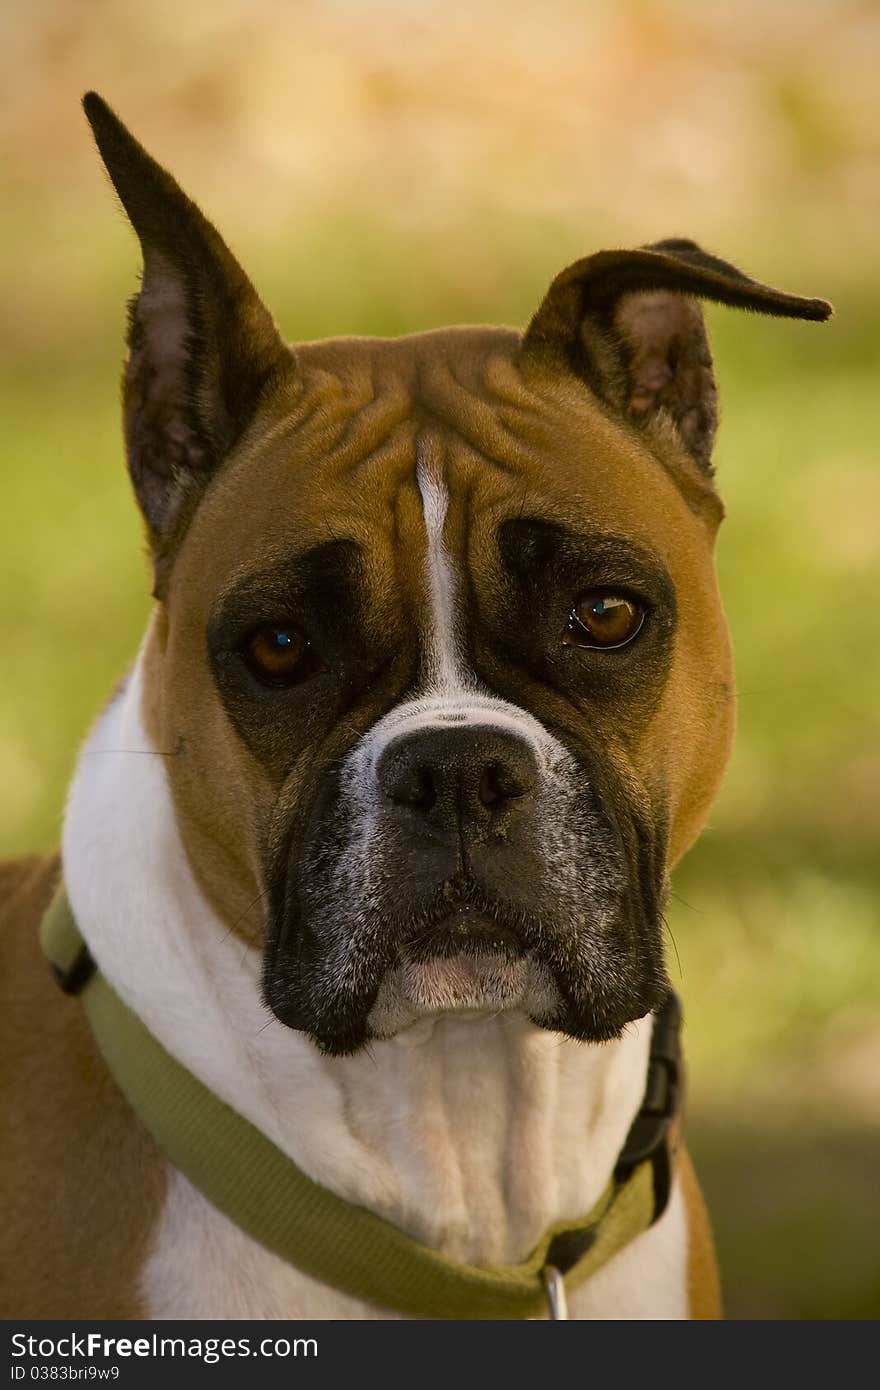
x=279, y=654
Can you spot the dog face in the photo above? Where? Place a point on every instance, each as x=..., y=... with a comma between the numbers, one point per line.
x=463, y=688
x=438, y=662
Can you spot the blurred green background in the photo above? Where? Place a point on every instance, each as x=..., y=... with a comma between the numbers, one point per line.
x=391, y=166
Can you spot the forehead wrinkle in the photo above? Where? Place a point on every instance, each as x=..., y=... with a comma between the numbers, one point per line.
x=340, y=415
x=347, y=405
x=491, y=423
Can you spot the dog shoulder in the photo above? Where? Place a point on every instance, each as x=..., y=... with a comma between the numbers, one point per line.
x=26, y=888
x=26, y=885
x=704, y=1286
x=88, y=1180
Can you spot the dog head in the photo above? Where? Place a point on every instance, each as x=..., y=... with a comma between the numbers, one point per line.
x=438, y=662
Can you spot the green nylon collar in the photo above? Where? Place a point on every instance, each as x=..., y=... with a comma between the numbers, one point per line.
x=245, y=1176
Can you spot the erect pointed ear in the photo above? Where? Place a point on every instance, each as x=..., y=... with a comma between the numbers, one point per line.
x=628, y=323
x=203, y=349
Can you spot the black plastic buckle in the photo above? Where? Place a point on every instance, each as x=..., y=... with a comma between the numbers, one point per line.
x=662, y=1101
x=77, y=975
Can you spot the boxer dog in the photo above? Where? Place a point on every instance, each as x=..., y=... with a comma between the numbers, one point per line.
x=376, y=835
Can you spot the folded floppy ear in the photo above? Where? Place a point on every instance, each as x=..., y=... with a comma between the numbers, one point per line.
x=203, y=349
x=627, y=322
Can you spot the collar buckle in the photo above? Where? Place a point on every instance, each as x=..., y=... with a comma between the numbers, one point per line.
x=555, y=1286
x=73, y=978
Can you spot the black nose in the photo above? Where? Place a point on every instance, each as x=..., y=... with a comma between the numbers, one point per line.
x=474, y=778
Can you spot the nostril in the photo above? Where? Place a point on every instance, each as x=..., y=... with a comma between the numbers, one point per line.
x=415, y=787
x=500, y=783
x=489, y=790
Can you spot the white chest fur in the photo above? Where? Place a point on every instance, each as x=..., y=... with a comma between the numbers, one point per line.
x=204, y=1267
x=474, y=1135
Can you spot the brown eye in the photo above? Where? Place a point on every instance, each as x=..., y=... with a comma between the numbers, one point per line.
x=601, y=619
x=279, y=655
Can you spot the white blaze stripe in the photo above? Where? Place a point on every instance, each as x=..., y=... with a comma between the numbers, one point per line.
x=445, y=671
x=450, y=693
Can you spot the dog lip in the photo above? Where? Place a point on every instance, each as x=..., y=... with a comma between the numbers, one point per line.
x=466, y=929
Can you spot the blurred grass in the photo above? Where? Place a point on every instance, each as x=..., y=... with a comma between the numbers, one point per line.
x=376, y=175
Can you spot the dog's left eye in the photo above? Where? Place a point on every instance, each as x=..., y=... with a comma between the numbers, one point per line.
x=279, y=654
x=603, y=619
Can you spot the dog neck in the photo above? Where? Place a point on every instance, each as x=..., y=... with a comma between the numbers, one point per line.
x=472, y=1134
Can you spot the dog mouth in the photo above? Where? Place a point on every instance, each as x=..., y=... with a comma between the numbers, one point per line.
x=390, y=960
x=465, y=962
x=467, y=929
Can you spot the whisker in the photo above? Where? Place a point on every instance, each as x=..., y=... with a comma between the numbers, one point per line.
x=674, y=947
x=267, y=1024
x=684, y=902
x=143, y=752
x=263, y=893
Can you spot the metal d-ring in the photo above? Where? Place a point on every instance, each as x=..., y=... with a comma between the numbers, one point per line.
x=555, y=1286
